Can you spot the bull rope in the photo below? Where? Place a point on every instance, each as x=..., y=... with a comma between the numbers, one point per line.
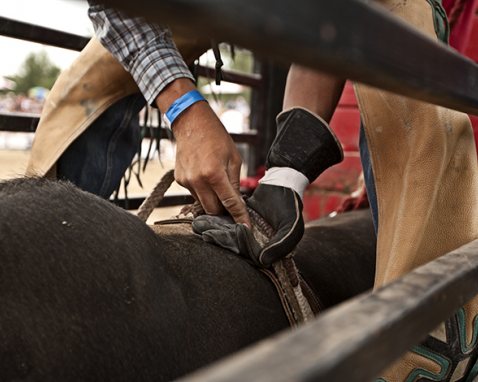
x=153, y=200
x=284, y=270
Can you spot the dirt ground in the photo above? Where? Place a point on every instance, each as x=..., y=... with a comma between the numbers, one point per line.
x=13, y=164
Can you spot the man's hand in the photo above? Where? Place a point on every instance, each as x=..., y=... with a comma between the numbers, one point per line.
x=207, y=161
x=279, y=207
x=303, y=148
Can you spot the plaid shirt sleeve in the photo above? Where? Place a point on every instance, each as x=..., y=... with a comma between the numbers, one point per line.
x=146, y=51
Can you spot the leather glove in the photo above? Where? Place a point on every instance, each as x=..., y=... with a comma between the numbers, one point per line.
x=280, y=207
x=303, y=148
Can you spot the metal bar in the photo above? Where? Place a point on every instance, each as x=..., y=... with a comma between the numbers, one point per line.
x=358, y=339
x=22, y=122
x=41, y=35
x=167, y=201
x=155, y=131
x=276, y=77
x=258, y=120
x=249, y=138
x=18, y=122
x=352, y=39
x=252, y=80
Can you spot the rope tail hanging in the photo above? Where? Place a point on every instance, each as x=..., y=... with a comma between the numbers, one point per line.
x=286, y=272
x=153, y=200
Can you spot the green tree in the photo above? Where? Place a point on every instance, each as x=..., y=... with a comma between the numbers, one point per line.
x=36, y=70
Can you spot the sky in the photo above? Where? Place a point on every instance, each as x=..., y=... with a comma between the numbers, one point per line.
x=66, y=15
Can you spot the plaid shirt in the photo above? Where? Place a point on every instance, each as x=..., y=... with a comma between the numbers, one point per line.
x=146, y=51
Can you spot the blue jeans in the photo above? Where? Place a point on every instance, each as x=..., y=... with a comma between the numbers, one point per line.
x=368, y=175
x=97, y=160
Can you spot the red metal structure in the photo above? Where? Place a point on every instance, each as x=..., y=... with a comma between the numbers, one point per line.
x=328, y=193
x=333, y=187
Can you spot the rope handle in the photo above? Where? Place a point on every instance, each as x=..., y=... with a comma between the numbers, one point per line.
x=153, y=200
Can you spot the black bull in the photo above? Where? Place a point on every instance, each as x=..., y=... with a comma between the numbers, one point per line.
x=89, y=292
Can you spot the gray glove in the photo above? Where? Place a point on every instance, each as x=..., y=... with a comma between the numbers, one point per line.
x=280, y=207
x=303, y=143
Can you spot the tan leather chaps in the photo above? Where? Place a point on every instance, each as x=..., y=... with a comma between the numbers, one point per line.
x=425, y=169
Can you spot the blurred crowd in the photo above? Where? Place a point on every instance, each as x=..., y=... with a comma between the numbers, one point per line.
x=19, y=103
x=233, y=111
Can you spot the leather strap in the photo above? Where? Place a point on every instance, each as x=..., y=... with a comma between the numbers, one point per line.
x=312, y=299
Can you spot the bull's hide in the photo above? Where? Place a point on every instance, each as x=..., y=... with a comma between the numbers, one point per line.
x=89, y=292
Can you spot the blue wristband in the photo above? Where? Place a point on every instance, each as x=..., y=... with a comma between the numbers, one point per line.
x=181, y=104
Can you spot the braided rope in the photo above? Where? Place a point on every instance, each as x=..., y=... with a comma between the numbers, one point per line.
x=271, y=275
x=295, y=296
x=293, y=275
x=285, y=270
x=153, y=200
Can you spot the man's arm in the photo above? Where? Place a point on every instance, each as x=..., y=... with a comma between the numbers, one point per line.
x=207, y=160
x=147, y=51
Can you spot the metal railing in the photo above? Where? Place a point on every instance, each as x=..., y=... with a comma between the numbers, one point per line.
x=340, y=37
x=330, y=36
x=24, y=122
x=42, y=35
x=377, y=327
x=358, y=339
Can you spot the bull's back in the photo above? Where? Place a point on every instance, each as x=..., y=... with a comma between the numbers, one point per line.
x=90, y=292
